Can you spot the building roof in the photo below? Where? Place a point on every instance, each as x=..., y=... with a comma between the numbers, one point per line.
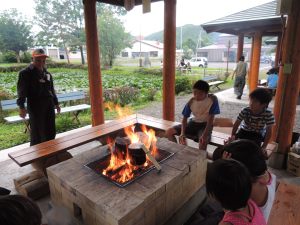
x=259, y=18
x=234, y=46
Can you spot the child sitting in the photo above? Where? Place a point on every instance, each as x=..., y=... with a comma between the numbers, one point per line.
x=229, y=182
x=263, y=182
x=255, y=121
x=203, y=108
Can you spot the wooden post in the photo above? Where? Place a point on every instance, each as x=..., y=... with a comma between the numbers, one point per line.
x=278, y=50
x=93, y=58
x=251, y=56
x=289, y=82
x=169, y=60
x=255, y=60
x=240, y=47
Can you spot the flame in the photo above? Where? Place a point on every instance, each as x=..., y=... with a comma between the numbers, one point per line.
x=122, y=169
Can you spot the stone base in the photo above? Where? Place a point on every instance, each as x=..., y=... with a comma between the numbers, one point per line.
x=277, y=160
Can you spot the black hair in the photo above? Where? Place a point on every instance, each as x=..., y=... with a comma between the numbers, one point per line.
x=262, y=95
x=229, y=182
x=19, y=210
x=201, y=85
x=242, y=58
x=246, y=152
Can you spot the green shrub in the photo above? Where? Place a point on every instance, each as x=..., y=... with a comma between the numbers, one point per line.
x=25, y=57
x=148, y=71
x=9, y=57
x=182, y=84
x=121, y=95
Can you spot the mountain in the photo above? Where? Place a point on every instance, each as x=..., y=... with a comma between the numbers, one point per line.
x=189, y=31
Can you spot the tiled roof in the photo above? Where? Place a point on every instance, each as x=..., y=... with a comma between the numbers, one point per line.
x=261, y=12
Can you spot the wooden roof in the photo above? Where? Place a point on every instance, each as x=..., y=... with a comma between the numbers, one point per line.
x=121, y=2
x=260, y=18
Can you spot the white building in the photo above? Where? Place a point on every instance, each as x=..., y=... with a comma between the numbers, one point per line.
x=144, y=48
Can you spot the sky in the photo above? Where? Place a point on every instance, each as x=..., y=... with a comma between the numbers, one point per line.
x=188, y=12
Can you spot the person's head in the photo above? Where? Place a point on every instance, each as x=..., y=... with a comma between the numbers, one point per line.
x=242, y=58
x=19, y=210
x=39, y=58
x=229, y=182
x=200, y=90
x=248, y=153
x=259, y=99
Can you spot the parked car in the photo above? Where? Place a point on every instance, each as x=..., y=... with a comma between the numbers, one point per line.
x=199, y=61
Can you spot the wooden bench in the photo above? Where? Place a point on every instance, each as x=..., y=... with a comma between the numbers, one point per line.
x=286, y=205
x=213, y=81
x=51, y=148
x=62, y=98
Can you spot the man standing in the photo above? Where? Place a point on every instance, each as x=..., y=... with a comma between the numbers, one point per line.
x=35, y=85
x=240, y=73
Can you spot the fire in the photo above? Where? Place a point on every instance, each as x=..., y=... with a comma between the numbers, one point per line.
x=119, y=169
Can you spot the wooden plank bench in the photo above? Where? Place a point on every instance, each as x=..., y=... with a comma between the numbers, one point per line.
x=50, y=148
x=62, y=98
x=213, y=81
x=286, y=205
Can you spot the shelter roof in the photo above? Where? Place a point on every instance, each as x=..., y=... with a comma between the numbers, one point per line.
x=121, y=2
x=259, y=18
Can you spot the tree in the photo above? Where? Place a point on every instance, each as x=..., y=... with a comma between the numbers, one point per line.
x=189, y=48
x=15, y=32
x=61, y=23
x=113, y=37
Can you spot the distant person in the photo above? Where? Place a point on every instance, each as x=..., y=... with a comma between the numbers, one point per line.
x=188, y=67
x=229, y=182
x=198, y=116
x=35, y=85
x=255, y=122
x=240, y=73
x=19, y=210
x=263, y=182
x=272, y=79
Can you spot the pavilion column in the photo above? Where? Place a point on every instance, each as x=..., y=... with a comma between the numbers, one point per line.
x=255, y=61
x=169, y=60
x=240, y=47
x=288, y=83
x=250, y=59
x=93, y=58
x=278, y=50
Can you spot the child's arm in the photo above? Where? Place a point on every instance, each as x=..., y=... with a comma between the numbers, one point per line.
x=235, y=128
x=182, y=139
x=203, y=140
x=267, y=136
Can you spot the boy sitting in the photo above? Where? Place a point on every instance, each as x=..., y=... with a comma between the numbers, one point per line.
x=203, y=107
x=255, y=121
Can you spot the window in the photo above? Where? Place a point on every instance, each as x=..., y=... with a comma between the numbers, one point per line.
x=153, y=53
x=124, y=54
x=202, y=54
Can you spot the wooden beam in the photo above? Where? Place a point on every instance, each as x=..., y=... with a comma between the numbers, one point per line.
x=289, y=82
x=255, y=61
x=93, y=58
x=169, y=60
x=240, y=48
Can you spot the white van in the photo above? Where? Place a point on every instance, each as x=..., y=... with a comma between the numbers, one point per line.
x=199, y=62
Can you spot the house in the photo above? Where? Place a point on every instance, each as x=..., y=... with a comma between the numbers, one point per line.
x=227, y=45
x=144, y=48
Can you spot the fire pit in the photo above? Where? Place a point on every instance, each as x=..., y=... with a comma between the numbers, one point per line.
x=153, y=198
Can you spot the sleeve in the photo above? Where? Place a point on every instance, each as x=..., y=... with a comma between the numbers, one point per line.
x=214, y=109
x=22, y=89
x=270, y=119
x=53, y=92
x=242, y=114
x=186, y=112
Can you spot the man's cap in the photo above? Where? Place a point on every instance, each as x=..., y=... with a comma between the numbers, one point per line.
x=39, y=53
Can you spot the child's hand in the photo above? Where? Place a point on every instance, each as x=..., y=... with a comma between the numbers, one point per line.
x=226, y=155
x=230, y=139
x=182, y=140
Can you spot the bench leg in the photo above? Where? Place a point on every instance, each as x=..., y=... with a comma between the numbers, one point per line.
x=75, y=114
x=27, y=126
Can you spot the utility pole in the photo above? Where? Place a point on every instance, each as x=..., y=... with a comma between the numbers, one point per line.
x=199, y=42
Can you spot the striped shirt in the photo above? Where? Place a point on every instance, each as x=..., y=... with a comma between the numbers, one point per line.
x=256, y=122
